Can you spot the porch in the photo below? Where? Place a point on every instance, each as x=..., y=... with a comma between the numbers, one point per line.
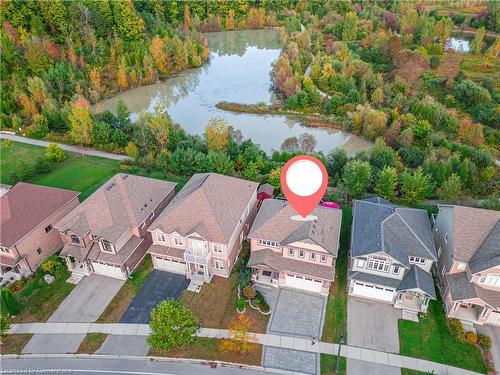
x=267, y=277
x=412, y=301
x=468, y=313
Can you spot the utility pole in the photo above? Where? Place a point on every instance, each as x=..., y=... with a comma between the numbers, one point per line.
x=341, y=341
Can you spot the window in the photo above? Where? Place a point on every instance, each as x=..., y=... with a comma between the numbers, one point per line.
x=75, y=239
x=217, y=247
x=143, y=224
x=48, y=228
x=291, y=252
x=161, y=237
x=323, y=258
x=219, y=264
x=491, y=280
x=312, y=256
x=443, y=270
x=151, y=215
x=446, y=238
x=39, y=251
x=268, y=243
x=461, y=266
x=4, y=250
x=417, y=260
x=395, y=270
x=107, y=246
x=178, y=241
x=301, y=253
x=378, y=264
x=439, y=251
x=361, y=263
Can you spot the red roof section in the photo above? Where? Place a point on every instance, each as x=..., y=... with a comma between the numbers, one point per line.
x=25, y=206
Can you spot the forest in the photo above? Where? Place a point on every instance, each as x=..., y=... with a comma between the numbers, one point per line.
x=382, y=70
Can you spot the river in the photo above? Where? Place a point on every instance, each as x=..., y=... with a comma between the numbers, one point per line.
x=237, y=71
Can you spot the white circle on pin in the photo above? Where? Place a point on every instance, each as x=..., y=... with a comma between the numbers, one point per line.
x=304, y=178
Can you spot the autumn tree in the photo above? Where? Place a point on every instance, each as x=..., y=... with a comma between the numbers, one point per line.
x=122, y=75
x=159, y=55
x=470, y=133
x=386, y=183
x=81, y=125
x=274, y=177
x=350, y=29
x=241, y=340
x=478, y=41
x=217, y=135
x=128, y=24
x=187, y=15
x=55, y=153
x=230, y=20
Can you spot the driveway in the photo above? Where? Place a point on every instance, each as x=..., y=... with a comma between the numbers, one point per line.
x=124, y=345
x=494, y=333
x=159, y=286
x=85, y=303
x=298, y=314
x=372, y=325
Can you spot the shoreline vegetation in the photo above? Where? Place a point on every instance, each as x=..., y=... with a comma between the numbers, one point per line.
x=310, y=120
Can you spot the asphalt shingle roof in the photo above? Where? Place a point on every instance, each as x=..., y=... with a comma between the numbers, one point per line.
x=488, y=254
x=462, y=289
x=375, y=279
x=417, y=278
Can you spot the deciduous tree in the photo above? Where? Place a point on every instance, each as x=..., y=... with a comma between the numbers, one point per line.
x=217, y=135
x=415, y=187
x=240, y=338
x=356, y=178
x=386, y=183
x=81, y=125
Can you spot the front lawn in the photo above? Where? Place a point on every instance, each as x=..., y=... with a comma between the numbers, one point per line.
x=13, y=344
x=208, y=349
x=328, y=363
x=431, y=339
x=127, y=292
x=39, y=299
x=215, y=304
x=407, y=371
x=91, y=343
x=336, y=308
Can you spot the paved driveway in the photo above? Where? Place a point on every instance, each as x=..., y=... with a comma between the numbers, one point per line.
x=124, y=345
x=84, y=304
x=299, y=314
x=372, y=325
x=159, y=286
x=494, y=333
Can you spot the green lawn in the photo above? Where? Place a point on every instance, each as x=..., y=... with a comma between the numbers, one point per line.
x=328, y=363
x=336, y=308
x=431, y=339
x=10, y=158
x=407, y=371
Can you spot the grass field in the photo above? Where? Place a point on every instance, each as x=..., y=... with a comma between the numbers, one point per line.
x=431, y=339
x=336, y=308
x=328, y=363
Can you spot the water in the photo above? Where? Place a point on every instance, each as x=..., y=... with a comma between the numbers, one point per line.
x=458, y=45
x=238, y=71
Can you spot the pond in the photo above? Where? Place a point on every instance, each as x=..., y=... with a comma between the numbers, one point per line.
x=458, y=45
x=238, y=71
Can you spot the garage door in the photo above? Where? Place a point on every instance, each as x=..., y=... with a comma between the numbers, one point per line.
x=108, y=270
x=373, y=291
x=169, y=265
x=303, y=283
x=494, y=318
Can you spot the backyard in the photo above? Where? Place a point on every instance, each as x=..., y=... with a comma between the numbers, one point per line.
x=336, y=308
x=431, y=339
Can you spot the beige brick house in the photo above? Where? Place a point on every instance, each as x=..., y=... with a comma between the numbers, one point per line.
x=468, y=243
x=107, y=234
x=201, y=231
x=295, y=254
x=28, y=215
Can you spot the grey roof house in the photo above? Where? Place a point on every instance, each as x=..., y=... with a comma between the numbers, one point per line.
x=392, y=252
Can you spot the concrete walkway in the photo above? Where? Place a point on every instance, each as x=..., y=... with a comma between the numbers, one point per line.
x=75, y=149
x=286, y=342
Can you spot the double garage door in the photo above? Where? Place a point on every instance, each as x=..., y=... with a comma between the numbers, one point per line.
x=304, y=283
x=108, y=270
x=373, y=291
x=170, y=265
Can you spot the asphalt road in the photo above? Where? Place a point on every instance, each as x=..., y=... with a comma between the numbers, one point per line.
x=116, y=365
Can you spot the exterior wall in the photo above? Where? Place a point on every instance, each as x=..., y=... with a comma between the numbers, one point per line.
x=356, y=268
x=308, y=249
x=444, y=224
x=133, y=261
x=49, y=243
x=491, y=271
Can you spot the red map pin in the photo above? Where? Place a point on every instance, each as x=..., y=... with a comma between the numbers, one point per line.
x=304, y=180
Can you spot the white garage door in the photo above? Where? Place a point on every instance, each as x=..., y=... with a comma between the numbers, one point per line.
x=108, y=270
x=169, y=265
x=494, y=318
x=373, y=291
x=304, y=283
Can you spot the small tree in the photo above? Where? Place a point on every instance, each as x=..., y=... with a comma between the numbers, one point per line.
x=9, y=304
x=172, y=326
x=356, y=178
x=217, y=135
x=42, y=165
x=451, y=189
x=275, y=177
x=131, y=150
x=55, y=153
x=240, y=338
x=387, y=182
x=5, y=324
x=414, y=187
x=249, y=292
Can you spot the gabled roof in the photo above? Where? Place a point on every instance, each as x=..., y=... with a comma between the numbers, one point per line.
x=25, y=206
x=400, y=232
x=209, y=204
x=476, y=237
x=266, y=189
x=417, y=278
x=462, y=289
x=274, y=223
x=121, y=203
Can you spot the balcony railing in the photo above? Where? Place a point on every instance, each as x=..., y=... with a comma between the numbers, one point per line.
x=195, y=257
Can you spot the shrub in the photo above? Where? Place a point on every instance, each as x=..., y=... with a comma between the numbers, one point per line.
x=249, y=292
x=49, y=265
x=471, y=337
x=5, y=323
x=456, y=329
x=264, y=306
x=244, y=277
x=55, y=153
x=25, y=170
x=8, y=303
x=484, y=341
x=7, y=143
x=240, y=304
x=42, y=165
x=17, y=285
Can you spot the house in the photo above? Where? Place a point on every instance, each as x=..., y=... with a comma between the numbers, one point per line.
x=107, y=233
x=201, y=231
x=468, y=243
x=391, y=256
x=28, y=215
x=295, y=254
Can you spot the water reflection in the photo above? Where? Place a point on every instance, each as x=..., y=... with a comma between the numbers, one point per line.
x=238, y=71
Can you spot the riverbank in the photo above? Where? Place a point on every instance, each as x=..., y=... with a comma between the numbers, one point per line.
x=309, y=120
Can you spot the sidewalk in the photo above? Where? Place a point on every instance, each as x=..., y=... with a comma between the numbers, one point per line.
x=75, y=149
x=352, y=352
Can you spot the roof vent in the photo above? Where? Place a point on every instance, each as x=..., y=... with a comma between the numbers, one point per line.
x=378, y=234
x=110, y=186
x=378, y=243
x=145, y=204
x=125, y=176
